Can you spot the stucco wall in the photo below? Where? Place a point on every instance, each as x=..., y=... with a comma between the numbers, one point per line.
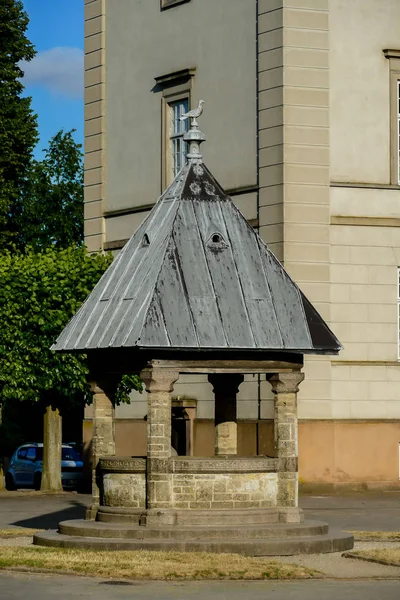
x=192, y=35
x=359, y=88
x=363, y=453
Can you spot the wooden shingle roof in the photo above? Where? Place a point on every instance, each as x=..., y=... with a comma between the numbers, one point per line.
x=197, y=276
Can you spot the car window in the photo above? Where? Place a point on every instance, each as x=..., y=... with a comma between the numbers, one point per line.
x=22, y=453
x=31, y=454
x=70, y=454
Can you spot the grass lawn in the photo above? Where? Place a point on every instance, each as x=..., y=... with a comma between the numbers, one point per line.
x=150, y=565
x=376, y=536
x=15, y=533
x=387, y=556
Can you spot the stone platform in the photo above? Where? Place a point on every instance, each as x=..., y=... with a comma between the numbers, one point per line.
x=254, y=539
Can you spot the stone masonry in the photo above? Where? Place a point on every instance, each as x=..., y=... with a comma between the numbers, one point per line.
x=159, y=385
x=221, y=491
x=285, y=387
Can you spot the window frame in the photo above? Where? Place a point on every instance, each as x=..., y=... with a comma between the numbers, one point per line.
x=171, y=95
x=393, y=57
x=173, y=87
x=395, y=127
x=169, y=137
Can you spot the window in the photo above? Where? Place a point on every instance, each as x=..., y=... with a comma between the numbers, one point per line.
x=22, y=453
x=393, y=57
x=177, y=148
x=176, y=90
x=31, y=454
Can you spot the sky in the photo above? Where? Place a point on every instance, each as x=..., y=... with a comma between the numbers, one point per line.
x=54, y=78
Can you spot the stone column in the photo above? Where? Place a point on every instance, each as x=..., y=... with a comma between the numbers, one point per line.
x=226, y=386
x=285, y=387
x=159, y=384
x=103, y=433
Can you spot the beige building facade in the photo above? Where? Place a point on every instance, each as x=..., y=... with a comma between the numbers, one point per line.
x=301, y=116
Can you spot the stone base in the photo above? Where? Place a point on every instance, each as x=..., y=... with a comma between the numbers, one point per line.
x=256, y=540
x=166, y=517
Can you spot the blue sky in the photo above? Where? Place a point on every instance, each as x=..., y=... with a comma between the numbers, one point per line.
x=54, y=78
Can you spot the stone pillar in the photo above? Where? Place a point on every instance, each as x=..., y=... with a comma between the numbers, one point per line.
x=159, y=384
x=285, y=387
x=226, y=386
x=103, y=433
x=52, y=451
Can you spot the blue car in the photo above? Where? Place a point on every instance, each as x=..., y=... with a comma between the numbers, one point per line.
x=26, y=464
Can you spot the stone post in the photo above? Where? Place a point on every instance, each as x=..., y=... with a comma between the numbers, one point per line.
x=103, y=434
x=52, y=451
x=159, y=384
x=226, y=386
x=285, y=387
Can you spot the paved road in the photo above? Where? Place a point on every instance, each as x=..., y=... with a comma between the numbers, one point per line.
x=45, y=587
x=356, y=512
x=361, y=511
x=40, y=511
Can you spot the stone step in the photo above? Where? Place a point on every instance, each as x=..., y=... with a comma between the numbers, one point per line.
x=331, y=542
x=194, y=517
x=82, y=528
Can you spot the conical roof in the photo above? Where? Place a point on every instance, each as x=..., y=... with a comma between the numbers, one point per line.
x=197, y=276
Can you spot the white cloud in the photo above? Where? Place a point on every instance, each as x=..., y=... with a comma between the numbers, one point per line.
x=60, y=70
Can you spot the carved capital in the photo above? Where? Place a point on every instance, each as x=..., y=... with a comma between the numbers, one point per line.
x=226, y=383
x=105, y=385
x=159, y=380
x=285, y=383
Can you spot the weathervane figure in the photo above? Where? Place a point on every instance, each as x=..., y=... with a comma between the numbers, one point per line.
x=193, y=114
x=194, y=137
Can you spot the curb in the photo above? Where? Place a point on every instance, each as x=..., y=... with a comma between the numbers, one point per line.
x=371, y=560
x=44, y=571
x=33, y=493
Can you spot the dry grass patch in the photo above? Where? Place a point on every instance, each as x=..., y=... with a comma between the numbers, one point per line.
x=16, y=533
x=376, y=536
x=386, y=556
x=151, y=565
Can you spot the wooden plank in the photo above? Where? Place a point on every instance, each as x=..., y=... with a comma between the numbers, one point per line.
x=222, y=269
x=198, y=283
x=136, y=279
x=257, y=296
x=287, y=303
x=174, y=303
x=154, y=332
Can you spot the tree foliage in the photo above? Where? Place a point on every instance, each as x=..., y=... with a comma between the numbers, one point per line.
x=18, y=125
x=51, y=206
x=39, y=293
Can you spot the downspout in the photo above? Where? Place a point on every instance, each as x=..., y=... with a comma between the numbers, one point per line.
x=258, y=211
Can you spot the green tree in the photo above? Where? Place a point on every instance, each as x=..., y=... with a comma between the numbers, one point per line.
x=18, y=124
x=51, y=206
x=39, y=293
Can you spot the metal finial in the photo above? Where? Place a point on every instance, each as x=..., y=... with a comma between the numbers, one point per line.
x=194, y=136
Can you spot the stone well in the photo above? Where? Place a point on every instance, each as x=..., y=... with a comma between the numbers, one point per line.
x=196, y=291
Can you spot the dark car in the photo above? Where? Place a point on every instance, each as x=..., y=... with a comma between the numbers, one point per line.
x=26, y=464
